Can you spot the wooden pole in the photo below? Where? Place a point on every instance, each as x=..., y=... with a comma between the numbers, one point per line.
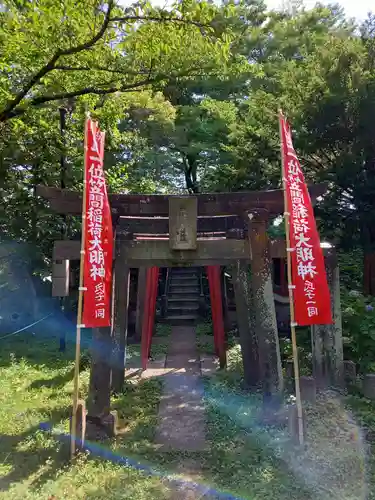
x=291, y=301
x=80, y=307
x=64, y=231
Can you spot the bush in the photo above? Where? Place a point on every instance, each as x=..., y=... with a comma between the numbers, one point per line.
x=358, y=319
x=304, y=352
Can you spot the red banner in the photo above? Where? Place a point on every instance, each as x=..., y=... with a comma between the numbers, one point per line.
x=98, y=234
x=310, y=293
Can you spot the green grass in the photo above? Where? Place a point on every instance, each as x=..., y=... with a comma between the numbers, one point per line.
x=243, y=458
x=163, y=330
x=159, y=345
x=336, y=462
x=36, y=387
x=205, y=338
x=203, y=329
x=251, y=462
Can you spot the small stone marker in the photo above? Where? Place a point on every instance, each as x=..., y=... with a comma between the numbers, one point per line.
x=369, y=386
x=308, y=389
x=350, y=372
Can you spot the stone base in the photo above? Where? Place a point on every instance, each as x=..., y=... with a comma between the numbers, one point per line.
x=308, y=389
x=98, y=428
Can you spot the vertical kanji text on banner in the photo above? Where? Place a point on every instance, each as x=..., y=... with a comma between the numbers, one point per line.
x=311, y=294
x=98, y=235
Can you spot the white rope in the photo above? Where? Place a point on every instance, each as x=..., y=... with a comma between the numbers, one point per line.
x=25, y=327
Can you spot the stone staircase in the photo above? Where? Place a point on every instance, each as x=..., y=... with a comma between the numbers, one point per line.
x=183, y=295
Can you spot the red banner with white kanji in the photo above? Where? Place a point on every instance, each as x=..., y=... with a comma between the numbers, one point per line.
x=98, y=234
x=311, y=294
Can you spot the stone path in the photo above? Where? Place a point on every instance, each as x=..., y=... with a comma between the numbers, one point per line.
x=181, y=411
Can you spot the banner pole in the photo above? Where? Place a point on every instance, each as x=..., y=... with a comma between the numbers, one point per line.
x=291, y=301
x=80, y=306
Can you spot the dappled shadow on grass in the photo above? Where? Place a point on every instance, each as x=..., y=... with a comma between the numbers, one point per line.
x=238, y=460
x=34, y=462
x=33, y=375
x=37, y=349
x=25, y=454
x=137, y=409
x=38, y=464
x=54, y=382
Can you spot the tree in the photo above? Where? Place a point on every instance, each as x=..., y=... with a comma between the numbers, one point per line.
x=92, y=56
x=194, y=144
x=65, y=50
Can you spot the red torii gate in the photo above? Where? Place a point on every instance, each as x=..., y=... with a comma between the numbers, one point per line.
x=242, y=240
x=152, y=277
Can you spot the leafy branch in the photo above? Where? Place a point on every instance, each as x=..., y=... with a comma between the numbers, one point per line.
x=101, y=68
x=160, y=19
x=9, y=110
x=14, y=107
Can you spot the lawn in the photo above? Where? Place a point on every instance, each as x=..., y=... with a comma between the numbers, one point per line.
x=36, y=387
x=245, y=458
x=336, y=463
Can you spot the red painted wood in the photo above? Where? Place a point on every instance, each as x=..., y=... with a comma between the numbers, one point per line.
x=153, y=296
x=213, y=273
x=152, y=278
x=146, y=320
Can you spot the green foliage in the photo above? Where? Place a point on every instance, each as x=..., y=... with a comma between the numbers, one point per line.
x=358, y=318
x=95, y=56
x=204, y=329
x=163, y=330
x=351, y=269
x=276, y=231
x=37, y=387
x=304, y=351
x=92, y=48
x=188, y=97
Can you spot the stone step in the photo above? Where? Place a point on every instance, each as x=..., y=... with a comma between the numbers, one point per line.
x=178, y=299
x=184, y=277
x=178, y=319
x=183, y=306
x=184, y=284
x=187, y=297
x=185, y=290
x=178, y=271
x=182, y=312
